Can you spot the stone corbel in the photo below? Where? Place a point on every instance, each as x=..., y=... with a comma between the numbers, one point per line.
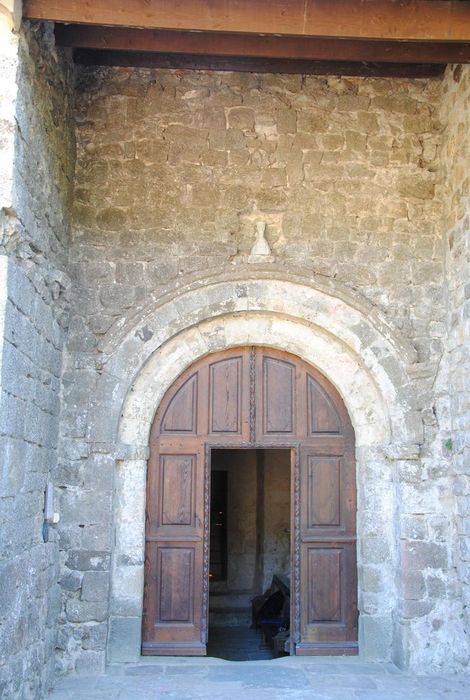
x=403, y=452
x=260, y=252
x=124, y=452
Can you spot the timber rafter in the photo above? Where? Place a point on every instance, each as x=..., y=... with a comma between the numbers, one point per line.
x=292, y=48
x=422, y=20
x=297, y=34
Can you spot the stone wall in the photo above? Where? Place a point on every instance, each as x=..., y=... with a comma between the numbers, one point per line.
x=175, y=167
x=456, y=195
x=240, y=466
x=364, y=187
x=37, y=156
x=276, y=515
x=174, y=170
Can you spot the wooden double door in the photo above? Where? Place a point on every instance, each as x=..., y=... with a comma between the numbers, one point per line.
x=251, y=397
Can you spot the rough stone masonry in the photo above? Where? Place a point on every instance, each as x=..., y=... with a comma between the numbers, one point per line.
x=37, y=147
x=364, y=186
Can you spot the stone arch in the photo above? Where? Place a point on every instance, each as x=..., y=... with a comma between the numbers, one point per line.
x=322, y=350
x=368, y=366
x=315, y=284
x=383, y=353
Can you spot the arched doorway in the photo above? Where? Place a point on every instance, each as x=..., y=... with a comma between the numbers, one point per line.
x=259, y=398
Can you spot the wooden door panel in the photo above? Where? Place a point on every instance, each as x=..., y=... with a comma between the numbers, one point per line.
x=328, y=579
x=328, y=490
x=178, y=473
x=322, y=416
x=275, y=395
x=172, y=622
x=278, y=396
x=225, y=392
x=181, y=414
x=328, y=598
x=323, y=492
x=175, y=573
x=324, y=584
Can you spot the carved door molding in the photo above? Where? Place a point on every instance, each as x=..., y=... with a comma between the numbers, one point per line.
x=240, y=398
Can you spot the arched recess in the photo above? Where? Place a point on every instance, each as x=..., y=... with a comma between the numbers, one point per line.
x=363, y=359
x=251, y=397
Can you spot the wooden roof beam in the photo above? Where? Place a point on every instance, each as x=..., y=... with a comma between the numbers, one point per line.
x=405, y=20
x=219, y=44
x=143, y=59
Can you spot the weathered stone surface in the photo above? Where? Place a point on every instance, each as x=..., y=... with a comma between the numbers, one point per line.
x=413, y=585
x=85, y=560
x=95, y=586
x=413, y=186
x=89, y=661
x=347, y=185
x=36, y=172
x=71, y=581
x=295, y=678
x=85, y=611
x=418, y=556
x=378, y=630
x=455, y=191
x=364, y=187
x=124, y=631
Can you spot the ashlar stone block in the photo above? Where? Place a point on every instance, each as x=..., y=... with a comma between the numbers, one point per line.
x=417, y=556
x=83, y=560
x=85, y=611
x=95, y=586
x=124, y=639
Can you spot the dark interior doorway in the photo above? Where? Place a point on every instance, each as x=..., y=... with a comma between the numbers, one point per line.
x=249, y=568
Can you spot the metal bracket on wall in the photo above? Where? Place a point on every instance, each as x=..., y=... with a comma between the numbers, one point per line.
x=50, y=517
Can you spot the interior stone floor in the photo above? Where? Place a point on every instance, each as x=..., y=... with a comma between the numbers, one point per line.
x=293, y=678
x=237, y=644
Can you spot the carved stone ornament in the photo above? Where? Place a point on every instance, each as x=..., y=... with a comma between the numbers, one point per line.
x=261, y=252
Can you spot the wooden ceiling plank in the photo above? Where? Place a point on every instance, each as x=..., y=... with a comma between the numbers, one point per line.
x=164, y=41
x=420, y=20
x=256, y=65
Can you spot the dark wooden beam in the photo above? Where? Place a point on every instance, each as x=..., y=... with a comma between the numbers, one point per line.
x=215, y=43
x=256, y=65
x=413, y=20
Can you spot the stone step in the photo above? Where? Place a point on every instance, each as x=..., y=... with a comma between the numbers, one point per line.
x=230, y=600
x=230, y=617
